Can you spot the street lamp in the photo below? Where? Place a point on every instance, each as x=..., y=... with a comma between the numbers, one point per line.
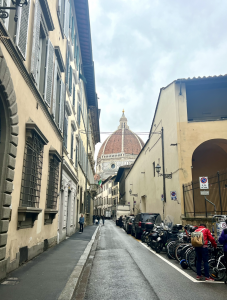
x=158, y=169
x=18, y=3
x=130, y=191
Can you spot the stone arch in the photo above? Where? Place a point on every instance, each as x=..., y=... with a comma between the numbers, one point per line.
x=10, y=131
x=209, y=158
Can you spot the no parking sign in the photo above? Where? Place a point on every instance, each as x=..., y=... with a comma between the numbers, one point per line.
x=203, y=183
x=173, y=195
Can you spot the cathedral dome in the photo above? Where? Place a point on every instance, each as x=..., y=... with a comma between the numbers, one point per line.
x=122, y=141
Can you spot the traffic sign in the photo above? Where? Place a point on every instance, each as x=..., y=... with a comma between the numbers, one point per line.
x=162, y=197
x=203, y=183
x=173, y=195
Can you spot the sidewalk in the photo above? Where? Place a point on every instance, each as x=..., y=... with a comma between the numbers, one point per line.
x=44, y=277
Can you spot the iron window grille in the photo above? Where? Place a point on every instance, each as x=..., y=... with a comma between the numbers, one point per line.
x=52, y=189
x=32, y=171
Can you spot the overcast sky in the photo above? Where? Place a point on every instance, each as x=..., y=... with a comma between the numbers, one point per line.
x=140, y=46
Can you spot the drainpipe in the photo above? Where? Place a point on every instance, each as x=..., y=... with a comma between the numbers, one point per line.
x=163, y=164
x=85, y=198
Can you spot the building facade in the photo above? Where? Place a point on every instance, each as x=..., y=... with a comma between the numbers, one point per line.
x=39, y=180
x=107, y=197
x=188, y=140
x=120, y=148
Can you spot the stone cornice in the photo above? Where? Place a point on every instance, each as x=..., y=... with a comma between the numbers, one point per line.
x=47, y=14
x=54, y=152
x=31, y=126
x=59, y=58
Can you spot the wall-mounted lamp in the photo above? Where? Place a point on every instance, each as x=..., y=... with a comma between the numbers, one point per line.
x=130, y=191
x=158, y=169
x=18, y=3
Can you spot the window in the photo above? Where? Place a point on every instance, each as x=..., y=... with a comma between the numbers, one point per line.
x=72, y=141
x=32, y=171
x=42, y=60
x=76, y=159
x=52, y=189
x=78, y=113
x=58, y=101
x=74, y=96
x=63, y=16
x=65, y=133
x=113, y=166
x=70, y=79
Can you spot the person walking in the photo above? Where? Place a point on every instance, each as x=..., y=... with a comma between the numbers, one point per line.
x=81, y=221
x=202, y=253
x=120, y=221
x=103, y=219
x=94, y=217
x=223, y=241
x=98, y=218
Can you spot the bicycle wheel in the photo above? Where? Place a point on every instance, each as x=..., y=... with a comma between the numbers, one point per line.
x=182, y=254
x=179, y=251
x=170, y=250
x=191, y=259
x=217, y=270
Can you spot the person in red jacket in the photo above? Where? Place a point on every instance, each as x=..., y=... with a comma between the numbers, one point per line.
x=202, y=253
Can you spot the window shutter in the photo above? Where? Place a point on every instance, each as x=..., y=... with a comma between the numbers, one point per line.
x=22, y=29
x=55, y=88
x=75, y=47
x=72, y=30
x=74, y=91
x=76, y=159
x=70, y=79
x=49, y=72
x=67, y=68
x=35, y=42
x=62, y=104
x=78, y=114
x=66, y=22
x=72, y=140
x=65, y=133
x=77, y=57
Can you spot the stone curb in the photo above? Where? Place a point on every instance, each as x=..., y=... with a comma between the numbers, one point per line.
x=74, y=278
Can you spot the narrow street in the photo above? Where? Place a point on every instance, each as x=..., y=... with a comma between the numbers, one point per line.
x=124, y=269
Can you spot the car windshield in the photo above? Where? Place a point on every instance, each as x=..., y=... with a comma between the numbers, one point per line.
x=147, y=218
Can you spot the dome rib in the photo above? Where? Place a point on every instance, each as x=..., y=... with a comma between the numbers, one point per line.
x=132, y=144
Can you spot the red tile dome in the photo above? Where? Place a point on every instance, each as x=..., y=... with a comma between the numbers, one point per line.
x=123, y=140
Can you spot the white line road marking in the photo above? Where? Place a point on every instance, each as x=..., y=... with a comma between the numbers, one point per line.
x=179, y=270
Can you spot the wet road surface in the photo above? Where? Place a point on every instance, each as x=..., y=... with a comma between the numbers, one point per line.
x=124, y=269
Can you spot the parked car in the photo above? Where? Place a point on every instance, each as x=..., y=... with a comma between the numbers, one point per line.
x=140, y=222
x=125, y=221
x=128, y=225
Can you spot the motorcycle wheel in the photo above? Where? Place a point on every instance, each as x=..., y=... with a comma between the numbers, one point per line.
x=158, y=247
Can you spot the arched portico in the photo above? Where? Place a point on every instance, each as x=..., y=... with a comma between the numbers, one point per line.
x=9, y=131
x=209, y=158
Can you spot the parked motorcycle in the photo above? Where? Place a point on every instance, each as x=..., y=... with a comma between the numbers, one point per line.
x=149, y=225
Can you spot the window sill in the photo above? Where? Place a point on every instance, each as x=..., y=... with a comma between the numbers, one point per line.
x=27, y=216
x=49, y=215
